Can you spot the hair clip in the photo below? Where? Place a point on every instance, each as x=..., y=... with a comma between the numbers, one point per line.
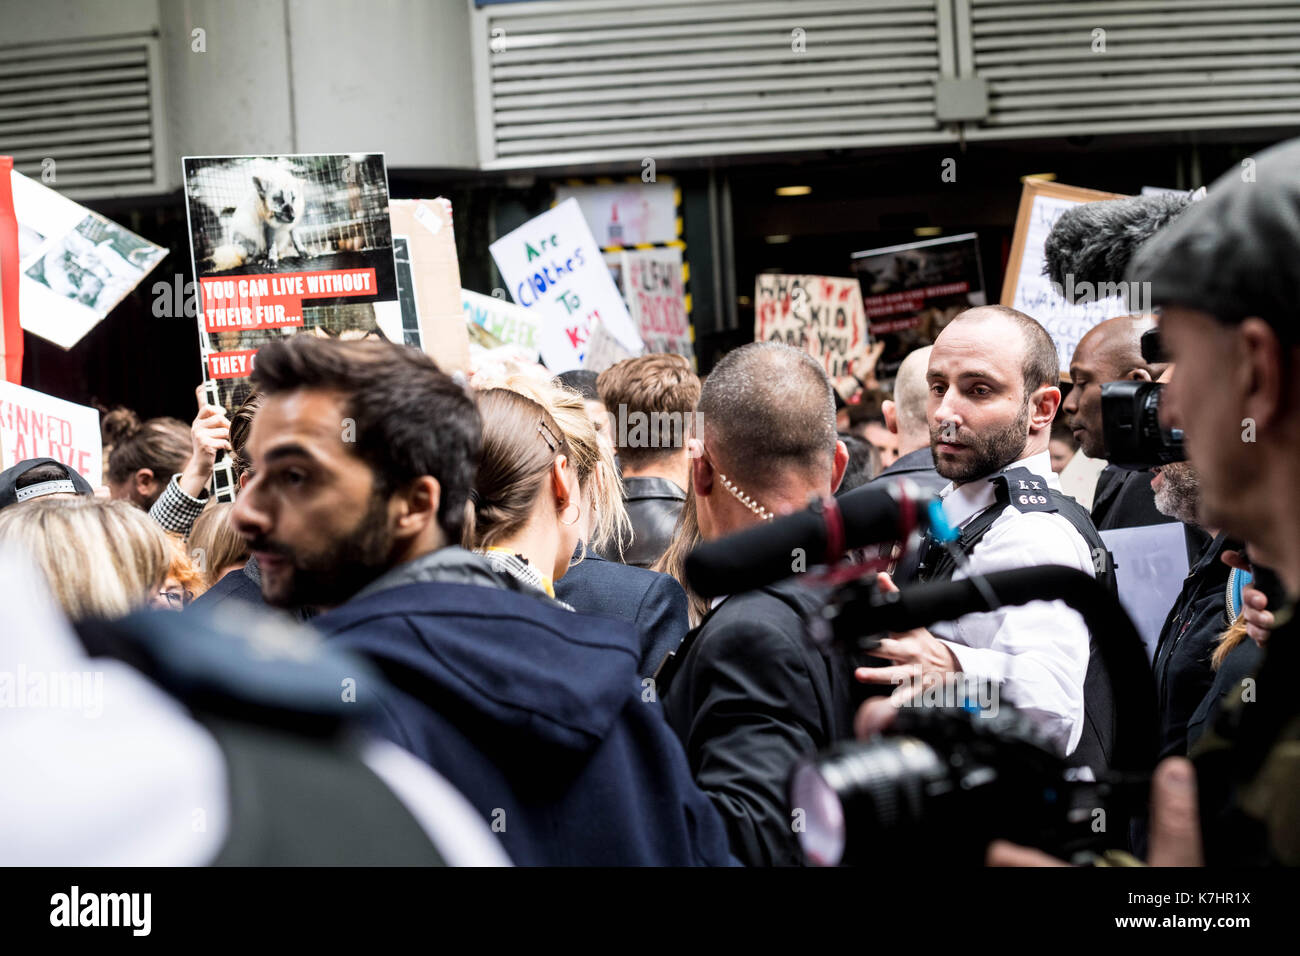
x=548, y=436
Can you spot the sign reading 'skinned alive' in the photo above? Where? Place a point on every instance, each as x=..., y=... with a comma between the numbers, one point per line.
x=552, y=267
x=36, y=425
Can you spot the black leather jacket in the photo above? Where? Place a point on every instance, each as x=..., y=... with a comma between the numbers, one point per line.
x=653, y=504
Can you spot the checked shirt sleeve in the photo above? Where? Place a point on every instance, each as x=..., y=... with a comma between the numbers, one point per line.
x=175, y=510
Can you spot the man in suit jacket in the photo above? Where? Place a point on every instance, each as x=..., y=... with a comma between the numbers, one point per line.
x=651, y=404
x=654, y=602
x=905, y=417
x=746, y=694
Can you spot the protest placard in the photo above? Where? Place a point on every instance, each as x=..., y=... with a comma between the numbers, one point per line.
x=507, y=323
x=628, y=214
x=425, y=252
x=552, y=267
x=75, y=264
x=652, y=286
x=822, y=315
x=288, y=244
x=912, y=291
x=36, y=425
x=1027, y=289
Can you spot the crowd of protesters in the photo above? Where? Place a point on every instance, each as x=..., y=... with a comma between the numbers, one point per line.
x=450, y=617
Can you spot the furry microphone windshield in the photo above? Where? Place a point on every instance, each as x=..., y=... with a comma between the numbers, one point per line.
x=1094, y=242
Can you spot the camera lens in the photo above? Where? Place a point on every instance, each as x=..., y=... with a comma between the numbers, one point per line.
x=1166, y=445
x=881, y=786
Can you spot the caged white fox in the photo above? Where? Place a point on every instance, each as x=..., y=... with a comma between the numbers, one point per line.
x=262, y=227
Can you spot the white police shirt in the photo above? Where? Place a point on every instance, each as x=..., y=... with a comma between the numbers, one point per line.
x=1035, y=653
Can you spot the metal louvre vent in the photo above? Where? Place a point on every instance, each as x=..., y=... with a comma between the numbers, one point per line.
x=90, y=107
x=1164, y=65
x=598, y=80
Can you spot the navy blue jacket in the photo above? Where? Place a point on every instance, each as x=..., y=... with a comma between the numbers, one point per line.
x=538, y=716
x=654, y=602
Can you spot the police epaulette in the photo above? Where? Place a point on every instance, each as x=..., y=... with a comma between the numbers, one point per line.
x=1024, y=490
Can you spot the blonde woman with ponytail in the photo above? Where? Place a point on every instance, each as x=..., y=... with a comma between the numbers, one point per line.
x=548, y=506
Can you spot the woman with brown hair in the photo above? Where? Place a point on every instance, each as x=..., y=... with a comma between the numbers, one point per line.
x=527, y=433
x=673, y=561
x=538, y=497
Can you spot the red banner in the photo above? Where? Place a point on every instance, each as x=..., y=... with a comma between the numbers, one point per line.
x=11, y=332
x=231, y=364
x=274, y=301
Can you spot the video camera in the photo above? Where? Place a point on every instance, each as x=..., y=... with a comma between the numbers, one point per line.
x=1130, y=418
x=956, y=775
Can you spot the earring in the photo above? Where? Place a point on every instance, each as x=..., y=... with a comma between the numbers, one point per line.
x=576, y=516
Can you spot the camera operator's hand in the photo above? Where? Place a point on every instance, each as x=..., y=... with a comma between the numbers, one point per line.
x=1175, y=824
x=1259, y=620
x=916, y=654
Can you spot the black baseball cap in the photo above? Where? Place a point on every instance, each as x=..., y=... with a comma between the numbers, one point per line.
x=11, y=494
x=1235, y=253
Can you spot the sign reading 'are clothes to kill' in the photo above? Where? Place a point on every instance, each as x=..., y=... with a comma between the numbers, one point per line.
x=822, y=315
x=552, y=267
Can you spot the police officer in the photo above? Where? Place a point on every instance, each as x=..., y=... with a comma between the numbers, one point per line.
x=1226, y=276
x=993, y=395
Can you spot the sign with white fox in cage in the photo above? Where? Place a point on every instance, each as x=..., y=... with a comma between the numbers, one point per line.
x=285, y=245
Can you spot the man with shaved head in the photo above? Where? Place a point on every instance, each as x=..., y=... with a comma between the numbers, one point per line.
x=745, y=691
x=1111, y=352
x=992, y=378
x=905, y=416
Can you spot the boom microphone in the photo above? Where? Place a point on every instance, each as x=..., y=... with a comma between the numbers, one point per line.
x=1094, y=241
x=767, y=552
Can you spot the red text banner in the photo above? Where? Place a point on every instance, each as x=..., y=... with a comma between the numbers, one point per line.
x=273, y=301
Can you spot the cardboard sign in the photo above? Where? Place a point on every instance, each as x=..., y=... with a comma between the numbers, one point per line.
x=75, y=264
x=912, y=291
x=36, y=425
x=822, y=315
x=428, y=252
x=507, y=323
x=652, y=286
x=289, y=244
x=1028, y=290
x=552, y=267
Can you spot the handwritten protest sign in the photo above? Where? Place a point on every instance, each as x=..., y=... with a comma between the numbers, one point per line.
x=1028, y=290
x=507, y=323
x=36, y=425
x=652, y=285
x=819, y=314
x=553, y=267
